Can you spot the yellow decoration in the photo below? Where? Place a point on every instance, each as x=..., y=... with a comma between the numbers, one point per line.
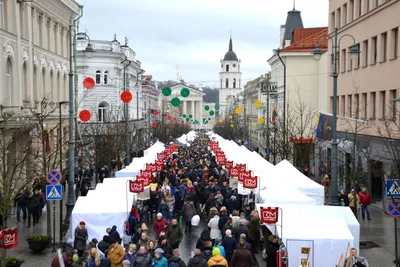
x=221, y=120
x=260, y=120
x=258, y=103
x=238, y=110
x=230, y=117
x=232, y=125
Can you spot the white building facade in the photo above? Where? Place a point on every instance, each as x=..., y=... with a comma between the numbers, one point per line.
x=107, y=66
x=230, y=79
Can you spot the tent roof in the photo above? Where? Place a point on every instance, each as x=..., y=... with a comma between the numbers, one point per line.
x=285, y=194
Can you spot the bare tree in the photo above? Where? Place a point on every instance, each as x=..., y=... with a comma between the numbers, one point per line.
x=15, y=151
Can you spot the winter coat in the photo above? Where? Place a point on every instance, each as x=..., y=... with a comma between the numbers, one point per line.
x=174, y=234
x=22, y=201
x=161, y=262
x=242, y=258
x=168, y=250
x=35, y=203
x=204, y=237
x=221, y=250
x=188, y=211
x=170, y=200
x=232, y=205
x=116, y=255
x=81, y=236
x=164, y=210
x=160, y=226
x=229, y=245
x=177, y=260
x=130, y=257
x=222, y=221
x=197, y=261
x=254, y=230
x=207, y=253
x=213, y=224
x=106, y=263
x=67, y=261
x=142, y=243
x=365, y=198
x=142, y=260
x=241, y=229
x=104, y=244
x=273, y=248
x=114, y=234
x=217, y=260
x=235, y=221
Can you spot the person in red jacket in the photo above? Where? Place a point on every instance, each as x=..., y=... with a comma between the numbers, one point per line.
x=160, y=225
x=365, y=200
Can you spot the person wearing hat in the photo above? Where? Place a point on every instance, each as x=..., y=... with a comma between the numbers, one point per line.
x=142, y=258
x=159, y=260
x=197, y=260
x=160, y=224
x=217, y=259
x=220, y=247
x=92, y=244
x=229, y=244
x=116, y=254
x=81, y=236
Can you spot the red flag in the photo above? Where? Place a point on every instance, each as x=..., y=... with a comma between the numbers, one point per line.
x=9, y=238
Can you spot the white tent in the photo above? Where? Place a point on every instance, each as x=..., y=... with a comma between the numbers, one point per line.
x=155, y=148
x=312, y=189
x=285, y=194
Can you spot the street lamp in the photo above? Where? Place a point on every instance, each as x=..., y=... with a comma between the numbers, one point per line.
x=354, y=53
x=89, y=48
x=61, y=164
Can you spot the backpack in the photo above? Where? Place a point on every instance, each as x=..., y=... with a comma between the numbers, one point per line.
x=173, y=264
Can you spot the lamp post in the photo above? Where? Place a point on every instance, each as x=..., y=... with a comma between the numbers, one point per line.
x=354, y=53
x=71, y=134
x=61, y=164
x=126, y=113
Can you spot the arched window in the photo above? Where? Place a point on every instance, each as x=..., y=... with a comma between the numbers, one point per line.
x=227, y=67
x=35, y=85
x=103, y=111
x=9, y=84
x=106, y=77
x=234, y=83
x=24, y=82
x=98, y=77
x=226, y=83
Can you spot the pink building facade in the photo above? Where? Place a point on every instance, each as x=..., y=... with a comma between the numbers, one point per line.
x=366, y=86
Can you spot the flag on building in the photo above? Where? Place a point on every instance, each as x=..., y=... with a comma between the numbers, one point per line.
x=274, y=116
x=47, y=138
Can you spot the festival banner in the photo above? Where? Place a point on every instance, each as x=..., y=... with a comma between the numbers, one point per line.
x=160, y=156
x=241, y=167
x=269, y=215
x=9, y=238
x=146, y=174
x=144, y=180
x=153, y=187
x=250, y=182
x=228, y=164
x=136, y=187
x=233, y=172
x=243, y=174
x=151, y=167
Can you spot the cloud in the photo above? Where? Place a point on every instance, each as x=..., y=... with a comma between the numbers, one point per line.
x=194, y=34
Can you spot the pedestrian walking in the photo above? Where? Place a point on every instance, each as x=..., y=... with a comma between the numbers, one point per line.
x=365, y=201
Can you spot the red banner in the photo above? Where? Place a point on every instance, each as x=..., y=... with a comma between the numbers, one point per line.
x=221, y=160
x=220, y=154
x=250, y=182
x=136, y=187
x=159, y=162
x=228, y=164
x=243, y=174
x=269, y=215
x=146, y=174
x=241, y=167
x=161, y=156
x=233, y=172
x=159, y=168
x=9, y=238
x=151, y=167
x=144, y=180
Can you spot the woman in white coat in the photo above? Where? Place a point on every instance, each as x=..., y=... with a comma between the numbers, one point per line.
x=213, y=225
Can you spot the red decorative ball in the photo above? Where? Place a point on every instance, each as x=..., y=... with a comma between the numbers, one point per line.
x=89, y=83
x=126, y=96
x=154, y=124
x=84, y=115
x=155, y=113
x=169, y=117
x=174, y=118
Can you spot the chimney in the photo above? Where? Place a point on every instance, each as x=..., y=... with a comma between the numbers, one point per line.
x=282, y=34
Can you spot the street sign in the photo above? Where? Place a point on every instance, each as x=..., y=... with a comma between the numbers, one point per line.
x=393, y=188
x=54, y=177
x=54, y=192
x=393, y=208
x=268, y=151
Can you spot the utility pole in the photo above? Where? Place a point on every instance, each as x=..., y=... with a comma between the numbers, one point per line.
x=245, y=116
x=126, y=113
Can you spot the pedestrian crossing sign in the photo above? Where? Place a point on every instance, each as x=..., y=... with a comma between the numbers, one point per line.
x=393, y=188
x=54, y=192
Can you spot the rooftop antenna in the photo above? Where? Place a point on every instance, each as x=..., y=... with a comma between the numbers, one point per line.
x=126, y=41
x=115, y=37
x=294, y=4
x=230, y=33
x=177, y=73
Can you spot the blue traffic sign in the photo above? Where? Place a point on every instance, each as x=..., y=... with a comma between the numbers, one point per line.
x=393, y=208
x=54, y=177
x=54, y=192
x=268, y=151
x=393, y=188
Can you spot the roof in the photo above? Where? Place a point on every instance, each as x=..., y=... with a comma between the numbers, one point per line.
x=184, y=86
x=230, y=55
x=293, y=21
x=309, y=40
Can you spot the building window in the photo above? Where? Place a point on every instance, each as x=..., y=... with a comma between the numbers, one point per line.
x=395, y=43
x=359, y=8
x=343, y=59
x=234, y=83
x=350, y=63
x=373, y=102
x=384, y=46
x=222, y=65
x=339, y=18
x=333, y=25
x=374, y=49
x=106, y=77
x=240, y=83
x=365, y=105
x=367, y=6
x=98, y=77
x=351, y=10
x=226, y=83
x=359, y=56
x=343, y=105
x=393, y=94
x=9, y=77
x=344, y=14
x=366, y=52
x=350, y=105
x=40, y=26
x=103, y=112
x=357, y=104
x=227, y=68
x=25, y=82
x=382, y=96
x=2, y=14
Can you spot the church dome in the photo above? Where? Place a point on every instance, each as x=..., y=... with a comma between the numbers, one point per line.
x=230, y=55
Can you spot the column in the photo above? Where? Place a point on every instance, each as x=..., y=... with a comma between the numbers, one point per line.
x=184, y=111
x=192, y=107
x=30, y=21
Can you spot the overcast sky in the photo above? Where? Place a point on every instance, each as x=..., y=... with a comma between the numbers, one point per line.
x=194, y=34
